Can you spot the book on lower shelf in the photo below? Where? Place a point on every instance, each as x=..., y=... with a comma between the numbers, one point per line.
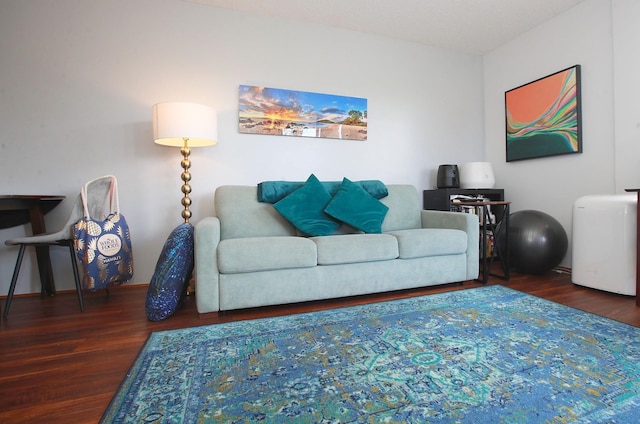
x=490, y=243
x=455, y=199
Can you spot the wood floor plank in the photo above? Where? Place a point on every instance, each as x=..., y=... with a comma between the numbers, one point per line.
x=59, y=365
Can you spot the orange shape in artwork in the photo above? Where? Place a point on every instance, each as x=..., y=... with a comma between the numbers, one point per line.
x=529, y=102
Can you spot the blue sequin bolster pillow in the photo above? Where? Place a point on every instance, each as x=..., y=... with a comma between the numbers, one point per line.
x=173, y=271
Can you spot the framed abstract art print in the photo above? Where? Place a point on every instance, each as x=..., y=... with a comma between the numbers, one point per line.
x=543, y=117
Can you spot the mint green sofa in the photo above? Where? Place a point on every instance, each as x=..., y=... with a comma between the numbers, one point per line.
x=249, y=255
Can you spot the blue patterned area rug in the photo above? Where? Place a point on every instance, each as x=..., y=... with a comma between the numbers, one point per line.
x=483, y=355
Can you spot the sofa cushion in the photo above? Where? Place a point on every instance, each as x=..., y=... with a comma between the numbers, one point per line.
x=352, y=248
x=272, y=191
x=354, y=206
x=251, y=254
x=418, y=243
x=304, y=209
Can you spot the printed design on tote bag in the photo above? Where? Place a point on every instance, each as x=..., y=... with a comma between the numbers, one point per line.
x=104, y=248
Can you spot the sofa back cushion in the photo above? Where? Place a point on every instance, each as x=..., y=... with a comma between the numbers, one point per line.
x=404, y=208
x=241, y=215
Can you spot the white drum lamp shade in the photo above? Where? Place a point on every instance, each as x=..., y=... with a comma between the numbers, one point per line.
x=477, y=175
x=174, y=122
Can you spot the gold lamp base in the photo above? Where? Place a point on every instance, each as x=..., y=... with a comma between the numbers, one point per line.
x=186, y=177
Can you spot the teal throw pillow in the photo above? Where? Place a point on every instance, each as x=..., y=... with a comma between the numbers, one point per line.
x=354, y=206
x=304, y=209
x=272, y=191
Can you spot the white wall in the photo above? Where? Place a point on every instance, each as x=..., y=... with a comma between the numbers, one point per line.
x=605, y=44
x=78, y=79
x=626, y=83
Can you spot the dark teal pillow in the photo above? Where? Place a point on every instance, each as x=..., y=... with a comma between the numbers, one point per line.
x=354, y=206
x=304, y=209
x=273, y=191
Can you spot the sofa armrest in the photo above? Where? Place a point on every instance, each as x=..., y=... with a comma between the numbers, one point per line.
x=460, y=221
x=207, y=238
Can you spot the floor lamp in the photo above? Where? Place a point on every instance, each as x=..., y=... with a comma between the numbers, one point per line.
x=184, y=125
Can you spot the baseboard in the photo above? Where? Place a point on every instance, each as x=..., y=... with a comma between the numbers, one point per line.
x=562, y=270
x=73, y=291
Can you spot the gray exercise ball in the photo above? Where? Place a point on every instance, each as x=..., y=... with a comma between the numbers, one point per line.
x=537, y=241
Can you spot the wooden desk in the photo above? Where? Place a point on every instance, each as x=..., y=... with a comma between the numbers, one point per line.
x=637, y=190
x=20, y=209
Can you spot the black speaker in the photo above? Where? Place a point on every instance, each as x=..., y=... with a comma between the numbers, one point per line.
x=448, y=176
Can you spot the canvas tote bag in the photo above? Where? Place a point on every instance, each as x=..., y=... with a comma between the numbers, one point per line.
x=103, y=246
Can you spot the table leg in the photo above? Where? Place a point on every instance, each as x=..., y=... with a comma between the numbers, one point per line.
x=483, y=240
x=638, y=252
x=36, y=217
x=505, y=257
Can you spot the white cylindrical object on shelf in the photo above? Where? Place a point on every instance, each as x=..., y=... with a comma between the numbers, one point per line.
x=477, y=175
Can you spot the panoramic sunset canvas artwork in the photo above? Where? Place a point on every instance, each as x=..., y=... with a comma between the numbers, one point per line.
x=543, y=116
x=275, y=111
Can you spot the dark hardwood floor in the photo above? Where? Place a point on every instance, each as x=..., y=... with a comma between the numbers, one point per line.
x=59, y=365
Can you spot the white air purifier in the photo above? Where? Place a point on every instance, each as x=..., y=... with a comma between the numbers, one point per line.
x=477, y=175
x=604, y=243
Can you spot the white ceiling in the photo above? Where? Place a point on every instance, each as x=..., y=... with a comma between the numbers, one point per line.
x=470, y=26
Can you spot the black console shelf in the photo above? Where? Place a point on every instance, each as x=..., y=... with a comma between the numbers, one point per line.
x=440, y=199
